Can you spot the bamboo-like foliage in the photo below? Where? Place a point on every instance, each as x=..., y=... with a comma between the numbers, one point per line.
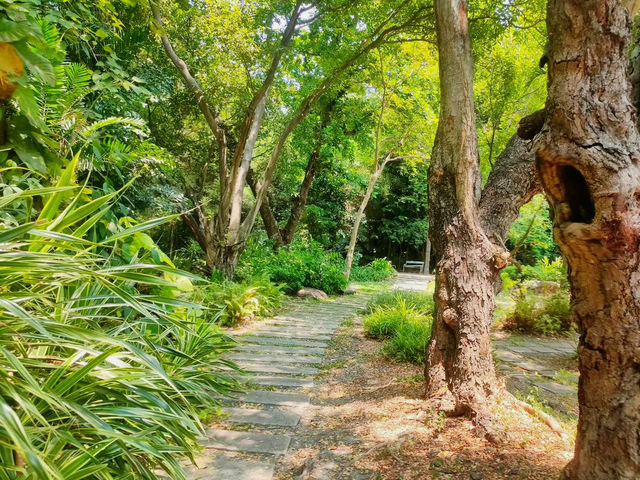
x=97, y=380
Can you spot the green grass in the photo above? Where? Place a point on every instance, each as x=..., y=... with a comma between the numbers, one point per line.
x=565, y=377
x=403, y=320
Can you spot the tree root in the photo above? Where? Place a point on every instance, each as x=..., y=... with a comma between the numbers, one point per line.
x=548, y=420
x=397, y=443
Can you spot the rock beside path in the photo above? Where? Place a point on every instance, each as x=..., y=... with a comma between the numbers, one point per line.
x=312, y=293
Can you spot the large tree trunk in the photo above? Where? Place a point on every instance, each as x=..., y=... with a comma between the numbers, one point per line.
x=459, y=352
x=587, y=157
x=467, y=232
x=224, y=258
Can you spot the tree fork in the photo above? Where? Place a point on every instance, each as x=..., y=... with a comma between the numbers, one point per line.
x=467, y=229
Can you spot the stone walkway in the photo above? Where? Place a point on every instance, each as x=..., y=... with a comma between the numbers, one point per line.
x=542, y=367
x=282, y=354
x=414, y=282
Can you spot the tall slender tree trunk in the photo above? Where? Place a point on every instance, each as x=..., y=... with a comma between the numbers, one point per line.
x=588, y=157
x=300, y=202
x=467, y=231
x=359, y=215
x=427, y=257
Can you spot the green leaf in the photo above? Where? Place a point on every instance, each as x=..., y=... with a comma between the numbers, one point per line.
x=66, y=179
x=29, y=106
x=30, y=155
x=39, y=65
x=13, y=31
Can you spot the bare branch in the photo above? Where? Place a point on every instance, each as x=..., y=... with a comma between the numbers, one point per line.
x=212, y=120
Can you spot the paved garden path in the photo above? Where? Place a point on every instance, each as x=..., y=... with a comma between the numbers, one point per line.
x=283, y=355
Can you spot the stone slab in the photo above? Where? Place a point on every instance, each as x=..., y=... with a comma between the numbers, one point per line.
x=280, y=381
x=281, y=341
x=286, y=333
x=320, y=317
x=292, y=369
x=275, y=328
x=215, y=465
x=255, y=416
x=271, y=357
x=317, y=323
x=529, y=366
x=266, y=397
x=281, y=349
x=250, y=442
x=557, y=388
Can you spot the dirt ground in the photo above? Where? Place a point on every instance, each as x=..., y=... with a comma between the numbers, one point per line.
x=370, y=421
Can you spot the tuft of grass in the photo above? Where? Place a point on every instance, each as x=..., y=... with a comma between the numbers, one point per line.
x=409, y=342
x=422, y=302
x=403, y=320
x=565, y=377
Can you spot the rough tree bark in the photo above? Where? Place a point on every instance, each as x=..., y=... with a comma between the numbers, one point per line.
x=459, y=354
x=588, y=156
x=467, y=231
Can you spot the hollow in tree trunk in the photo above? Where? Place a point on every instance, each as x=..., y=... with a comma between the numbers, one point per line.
x=588, y=157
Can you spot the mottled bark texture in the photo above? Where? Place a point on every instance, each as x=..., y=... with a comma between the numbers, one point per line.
x=587, y=156
x=467, y=230
x=459, y=353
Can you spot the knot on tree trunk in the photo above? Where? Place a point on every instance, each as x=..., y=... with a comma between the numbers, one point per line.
x=501, y=257
x=530, y=125
x=450, y=317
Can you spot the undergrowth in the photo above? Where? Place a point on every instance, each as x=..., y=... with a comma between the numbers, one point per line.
x=378, y=270
x=542, y=315
x=403, y=320
x=304, y=263
x=235, y=303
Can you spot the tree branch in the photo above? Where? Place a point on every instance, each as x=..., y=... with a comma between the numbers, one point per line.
x=191, y=83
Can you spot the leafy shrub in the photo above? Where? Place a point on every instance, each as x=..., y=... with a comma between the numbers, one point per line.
x=533, y=314
x=404, y=321
x=377, y=271
x=301, y=264
x=234, y=303
x=544, y=270
x=97, y=379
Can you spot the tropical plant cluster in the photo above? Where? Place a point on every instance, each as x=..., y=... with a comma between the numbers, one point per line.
x=231, y=303
x=107, y=369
